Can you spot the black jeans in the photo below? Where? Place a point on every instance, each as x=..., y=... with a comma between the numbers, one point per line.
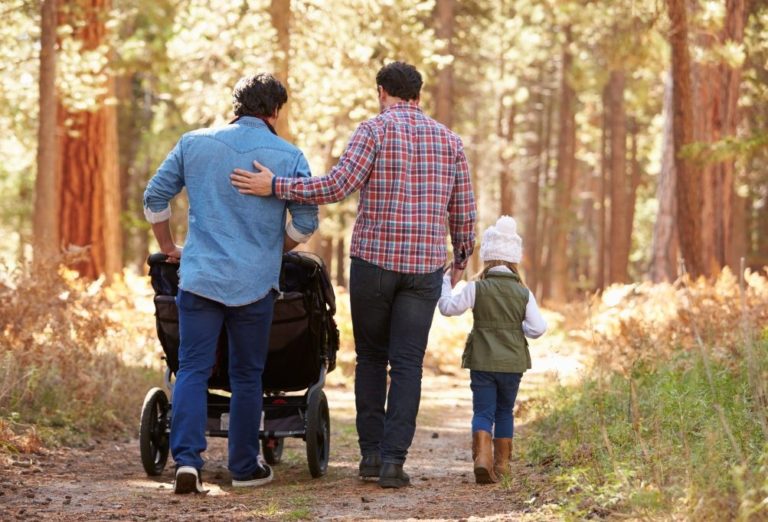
x=391, y=317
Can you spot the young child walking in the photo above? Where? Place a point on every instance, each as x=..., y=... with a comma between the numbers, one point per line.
x=496, y=354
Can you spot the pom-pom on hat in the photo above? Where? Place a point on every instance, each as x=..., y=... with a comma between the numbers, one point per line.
x=501, y=242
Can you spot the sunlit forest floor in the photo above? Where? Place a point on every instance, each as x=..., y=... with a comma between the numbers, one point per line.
x=648, y=402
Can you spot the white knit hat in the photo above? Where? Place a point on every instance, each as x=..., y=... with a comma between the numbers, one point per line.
x=501, y=242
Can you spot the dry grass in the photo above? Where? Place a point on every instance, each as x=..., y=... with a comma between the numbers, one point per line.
x=72, y=354
x=635, y=324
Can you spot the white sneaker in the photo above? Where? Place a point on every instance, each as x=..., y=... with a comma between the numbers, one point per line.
x=188, y=480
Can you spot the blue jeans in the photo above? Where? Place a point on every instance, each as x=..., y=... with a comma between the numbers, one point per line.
x=391, y=317
x=493, y=399
x=200, y=322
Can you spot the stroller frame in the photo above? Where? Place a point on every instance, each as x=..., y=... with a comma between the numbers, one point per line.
x=303, y=344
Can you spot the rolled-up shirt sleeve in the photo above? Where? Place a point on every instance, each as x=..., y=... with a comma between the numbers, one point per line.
x=303, y=221
x=462, y=213
x=164, y=185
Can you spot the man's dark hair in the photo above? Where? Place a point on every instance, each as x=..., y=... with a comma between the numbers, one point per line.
x=400, y=79
x=258, y=95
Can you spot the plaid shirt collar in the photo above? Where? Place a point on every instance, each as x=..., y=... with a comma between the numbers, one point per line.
x=403, y=106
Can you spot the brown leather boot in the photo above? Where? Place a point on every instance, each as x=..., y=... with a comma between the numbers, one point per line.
x=482, y=455
x=502, y=456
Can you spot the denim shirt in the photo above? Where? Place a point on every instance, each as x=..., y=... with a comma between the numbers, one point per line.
x=234, y=246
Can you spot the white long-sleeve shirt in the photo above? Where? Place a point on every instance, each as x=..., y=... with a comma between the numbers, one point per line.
x=450, y=304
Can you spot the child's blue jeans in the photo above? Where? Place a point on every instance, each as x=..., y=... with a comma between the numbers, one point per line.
x=493, y=398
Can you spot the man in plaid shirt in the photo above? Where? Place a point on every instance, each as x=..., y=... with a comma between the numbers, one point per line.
x=413, y=178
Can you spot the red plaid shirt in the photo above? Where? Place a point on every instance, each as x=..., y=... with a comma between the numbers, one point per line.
x=413, y=177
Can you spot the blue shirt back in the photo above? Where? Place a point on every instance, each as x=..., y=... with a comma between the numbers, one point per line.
x=234, y=245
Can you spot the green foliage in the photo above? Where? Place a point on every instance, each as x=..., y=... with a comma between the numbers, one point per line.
x=656, y=440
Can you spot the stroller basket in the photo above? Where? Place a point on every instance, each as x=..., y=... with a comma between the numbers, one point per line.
x=303, y=338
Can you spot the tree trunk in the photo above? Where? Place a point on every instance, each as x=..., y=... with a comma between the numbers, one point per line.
x=706, y=86
x=687, y=189
x=280, y=13
x=619, y=249
x=739, y=245
x=341, y=279
x=566, y=148
x=542, y=252
x=634, y=184
x=759, y=219
x=506, y=131
x=444, y=24
x=602, y=214
x=530, y=218
x=664, y=247
x=89, y=200
x=473, y=158
x=730, y=248
x=45, y=228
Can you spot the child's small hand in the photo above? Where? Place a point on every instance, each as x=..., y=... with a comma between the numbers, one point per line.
x=456, y=275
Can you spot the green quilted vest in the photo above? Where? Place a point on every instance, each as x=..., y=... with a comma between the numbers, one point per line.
x=496, y=342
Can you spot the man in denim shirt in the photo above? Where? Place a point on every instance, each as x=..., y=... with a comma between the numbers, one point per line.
x=230, y=273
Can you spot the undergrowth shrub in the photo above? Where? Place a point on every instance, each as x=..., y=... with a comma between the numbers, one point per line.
x=673, y=417
x=73, y=355
x=631, y=324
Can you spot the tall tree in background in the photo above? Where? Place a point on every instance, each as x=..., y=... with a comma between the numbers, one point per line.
x=443, y=89
x=280, y=12
x=602, y=192
x=46, y=238
x=535, y=172
x=728, y=247
x=664, y=247
x=618, y=252
x=87, y=162
x=566, y=166
x=688, y=189
x=706, y=91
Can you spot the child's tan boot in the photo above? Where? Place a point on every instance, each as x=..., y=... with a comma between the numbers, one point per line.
x=502, y=456
x=482, y=456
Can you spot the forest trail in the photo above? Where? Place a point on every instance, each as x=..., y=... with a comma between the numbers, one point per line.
x=106, y=481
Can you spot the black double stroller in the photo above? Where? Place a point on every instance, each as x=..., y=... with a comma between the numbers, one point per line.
x=302, y=349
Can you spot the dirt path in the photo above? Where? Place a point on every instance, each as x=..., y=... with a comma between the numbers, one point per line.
x=106, y=481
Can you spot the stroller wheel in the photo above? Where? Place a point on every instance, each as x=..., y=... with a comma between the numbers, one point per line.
x=272, y=449
x=153, y=432
x=318, y=435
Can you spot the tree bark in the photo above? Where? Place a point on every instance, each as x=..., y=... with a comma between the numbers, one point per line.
x=706, y=86
x=566, y=148
x=506, y=131
x=444, y=22
x=473, y=158
x=634, y=184
x=280, y=13
x=542, y=252
x=341, y=279
x=730, y=247
x=530, y=218
x=602, y=214
x=664, y=246
x=619, y=249
x=45, y=229
x=89, y=199
x=688, y=190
